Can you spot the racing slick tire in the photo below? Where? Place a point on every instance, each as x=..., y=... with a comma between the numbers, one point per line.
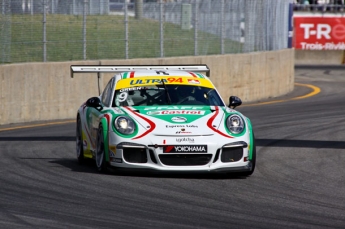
x=253, y=161
x=79, y=142
x=100, y=152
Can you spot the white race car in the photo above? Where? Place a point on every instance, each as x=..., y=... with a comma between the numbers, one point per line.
x=164, y=118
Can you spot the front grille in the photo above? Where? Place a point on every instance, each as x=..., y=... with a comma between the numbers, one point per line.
x=232, y=154
x=185, y=159
x=135, y=155
x=152, y=156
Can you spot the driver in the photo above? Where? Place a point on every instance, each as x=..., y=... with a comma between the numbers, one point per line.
x=182, y=94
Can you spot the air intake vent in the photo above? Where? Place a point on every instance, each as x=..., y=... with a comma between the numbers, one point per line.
x=135, y=155
x=232, y=154
x=185, y=159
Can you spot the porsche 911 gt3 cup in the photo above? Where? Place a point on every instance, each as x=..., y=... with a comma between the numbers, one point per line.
x=164, y=118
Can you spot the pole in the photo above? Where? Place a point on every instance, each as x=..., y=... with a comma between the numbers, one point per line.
x=196, y=22
x=161, y=20
x=44, y=30
x=222, y=22
x=84, y=28
x=138, y=9
x=126, y=30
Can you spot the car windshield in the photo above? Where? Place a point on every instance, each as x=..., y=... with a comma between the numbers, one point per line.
x=168, y=94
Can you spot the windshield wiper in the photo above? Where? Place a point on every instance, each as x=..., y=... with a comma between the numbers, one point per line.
x=166, y=92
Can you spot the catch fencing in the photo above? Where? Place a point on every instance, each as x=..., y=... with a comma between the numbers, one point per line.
x=64, y=30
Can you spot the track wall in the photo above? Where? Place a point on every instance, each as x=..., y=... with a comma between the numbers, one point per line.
x=45, y=91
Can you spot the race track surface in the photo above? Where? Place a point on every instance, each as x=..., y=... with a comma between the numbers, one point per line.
x=299, y=181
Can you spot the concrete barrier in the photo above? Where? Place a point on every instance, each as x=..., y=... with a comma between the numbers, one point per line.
x=319, y=57
x=45, y=91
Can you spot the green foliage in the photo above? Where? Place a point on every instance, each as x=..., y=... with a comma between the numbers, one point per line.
x=105, y=39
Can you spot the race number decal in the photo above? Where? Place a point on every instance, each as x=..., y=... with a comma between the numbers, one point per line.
x=122, y=97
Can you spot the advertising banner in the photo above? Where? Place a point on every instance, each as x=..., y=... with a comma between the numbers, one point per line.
x=319, y=33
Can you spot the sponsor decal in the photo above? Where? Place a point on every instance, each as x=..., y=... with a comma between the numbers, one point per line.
x=111, y=154
x=161, y=71
x=185, y=149
x=112, y=151
x=181, y=126
x=153, y=113
x=178, y=119
x=319, y=33
x=229, y=110
x=118, y=110
x=193, y=81
x=131, y=89
x=174, y=112
x=127, y=81
x=156, y=81
x=173, y=108
x=183, y=132
x=191, y=140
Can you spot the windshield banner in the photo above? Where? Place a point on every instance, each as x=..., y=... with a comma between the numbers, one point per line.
x=158, y=80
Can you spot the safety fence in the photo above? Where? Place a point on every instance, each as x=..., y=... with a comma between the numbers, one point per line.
x=64, y=30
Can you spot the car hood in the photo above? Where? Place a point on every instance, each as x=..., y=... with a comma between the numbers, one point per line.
x=178, y=120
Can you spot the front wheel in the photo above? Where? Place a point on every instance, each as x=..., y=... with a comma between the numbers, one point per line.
x=253, y=161
x=79, y=142
x=100, y=152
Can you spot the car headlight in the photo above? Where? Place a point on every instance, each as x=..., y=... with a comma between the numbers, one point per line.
x=124, y=125
x=235, y=124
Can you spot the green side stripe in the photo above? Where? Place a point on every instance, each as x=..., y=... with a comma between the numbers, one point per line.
x=250, y=128
x=106, y=138
x=200, y=75
x=125, y=75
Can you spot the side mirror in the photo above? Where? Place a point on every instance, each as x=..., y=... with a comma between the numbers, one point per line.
x=234, y=101
x=94, y=102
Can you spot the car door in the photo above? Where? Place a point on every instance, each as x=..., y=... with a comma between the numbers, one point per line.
x=106, y=98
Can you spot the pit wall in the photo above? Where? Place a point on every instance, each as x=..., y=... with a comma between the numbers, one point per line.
x=319, y=57
x=45, y=91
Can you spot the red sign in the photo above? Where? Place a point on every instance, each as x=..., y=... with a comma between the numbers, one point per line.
x=319, y=33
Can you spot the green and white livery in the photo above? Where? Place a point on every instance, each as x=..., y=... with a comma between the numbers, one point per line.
x=164, y=118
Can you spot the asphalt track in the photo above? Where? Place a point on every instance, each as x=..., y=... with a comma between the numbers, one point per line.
x=299, y=181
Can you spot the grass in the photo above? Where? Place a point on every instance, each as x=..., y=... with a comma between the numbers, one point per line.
x=105, y=38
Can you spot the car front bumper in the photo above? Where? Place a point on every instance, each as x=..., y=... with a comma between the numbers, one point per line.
x=228, y=157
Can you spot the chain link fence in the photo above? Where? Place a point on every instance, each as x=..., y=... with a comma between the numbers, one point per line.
x=64, y=30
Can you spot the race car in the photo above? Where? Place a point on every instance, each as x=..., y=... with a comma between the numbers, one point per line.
x=163, y=118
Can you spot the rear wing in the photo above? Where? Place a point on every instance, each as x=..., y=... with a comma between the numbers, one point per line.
x=126, y=68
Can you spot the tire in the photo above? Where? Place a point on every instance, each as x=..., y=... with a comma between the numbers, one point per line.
x=253, y=161
x=100, y=152
x=79, y=142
